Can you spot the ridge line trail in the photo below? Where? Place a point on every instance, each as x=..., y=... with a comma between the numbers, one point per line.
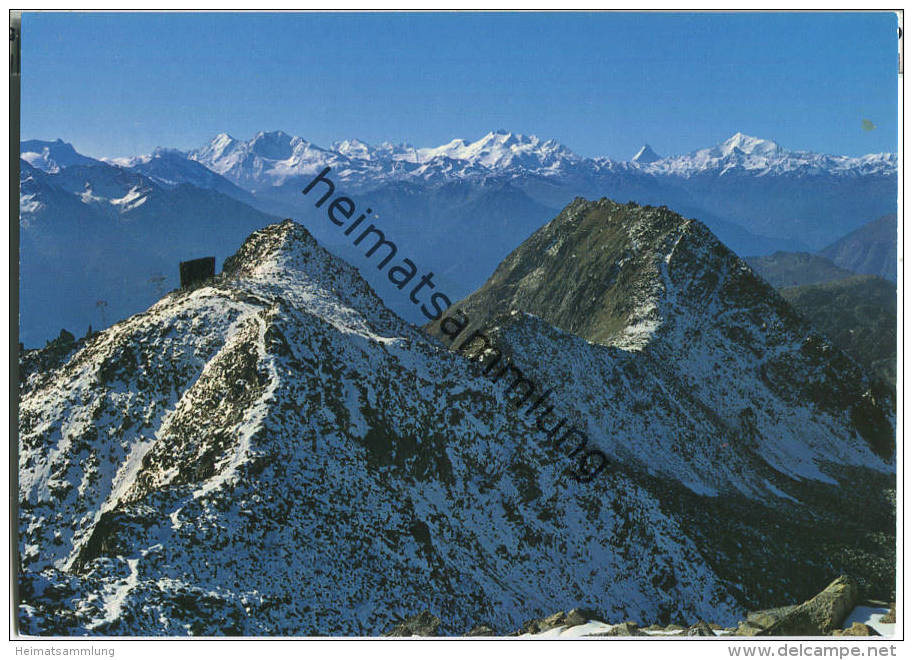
x=248, y=425
x=253, y=419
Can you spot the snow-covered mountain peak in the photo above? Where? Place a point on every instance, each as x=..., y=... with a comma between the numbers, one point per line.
x=278, y=134
x=646, y=155
x=270, y=160
x=268, y=246
x=220, y=146
x=355, y=148
x=275, y=145
x=747, y=144
x=51, y=156
x=283, y=260
x=525, y=142
x=287, y=246
x=646, y=283
x=503, y=150
x=174, y=156
x=503, y=136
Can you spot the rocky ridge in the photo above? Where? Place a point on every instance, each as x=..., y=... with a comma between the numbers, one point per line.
x=275, y=452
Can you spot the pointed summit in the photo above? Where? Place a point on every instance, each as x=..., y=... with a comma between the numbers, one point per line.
x=269, y=244
x=353, y=148
x=646, y=155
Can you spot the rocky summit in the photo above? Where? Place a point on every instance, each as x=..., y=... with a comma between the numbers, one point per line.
x=706, y=387
x=274, y=452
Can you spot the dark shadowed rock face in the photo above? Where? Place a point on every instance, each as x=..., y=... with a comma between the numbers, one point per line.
x=870, y=250
x=859, y=314
x=783, y=269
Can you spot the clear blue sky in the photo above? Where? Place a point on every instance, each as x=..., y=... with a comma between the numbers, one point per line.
x=602, y=84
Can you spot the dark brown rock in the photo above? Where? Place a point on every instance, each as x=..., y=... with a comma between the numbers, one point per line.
x=858, y=629
x=626, y=629
x=890, y=617
x=748, y=629
x=699, y=629
x=819, y=615
x=422, y=625
x=481, y=630
x=580, y=615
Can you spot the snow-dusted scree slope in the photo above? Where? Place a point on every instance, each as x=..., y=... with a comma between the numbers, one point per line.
x=276, y=453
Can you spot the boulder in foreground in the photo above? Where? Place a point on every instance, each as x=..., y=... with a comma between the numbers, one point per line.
x=819, y=615
x=858, y=629
x=420, y=625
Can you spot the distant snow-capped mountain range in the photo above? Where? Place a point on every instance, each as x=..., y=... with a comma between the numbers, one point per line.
x=756, y=156
x=457, y=209
x=272, y=158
